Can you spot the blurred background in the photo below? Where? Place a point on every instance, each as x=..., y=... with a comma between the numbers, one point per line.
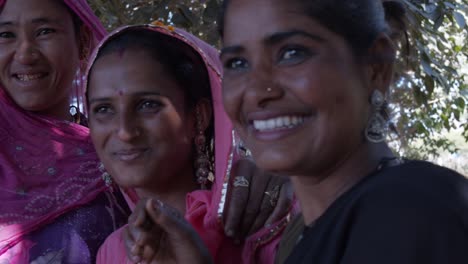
x=430, y=92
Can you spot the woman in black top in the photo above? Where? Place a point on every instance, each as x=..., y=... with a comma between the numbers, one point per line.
x=305, y=84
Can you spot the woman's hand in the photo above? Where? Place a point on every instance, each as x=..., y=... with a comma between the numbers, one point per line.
x=256, y=199
x=157, y=233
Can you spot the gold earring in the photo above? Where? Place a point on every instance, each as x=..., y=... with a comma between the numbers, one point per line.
x=203, y=166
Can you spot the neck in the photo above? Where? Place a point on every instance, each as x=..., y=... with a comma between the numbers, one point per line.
x=174, y=192
x=317, y=192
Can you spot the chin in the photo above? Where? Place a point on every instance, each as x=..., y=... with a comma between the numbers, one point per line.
x=128, y=183
x=273, y=165
x=35, y=105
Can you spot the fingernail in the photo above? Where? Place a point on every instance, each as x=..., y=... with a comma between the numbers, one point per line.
x=157, y=204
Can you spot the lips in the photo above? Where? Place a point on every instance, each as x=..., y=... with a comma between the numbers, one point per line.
x=28, y=77
x=128, y=155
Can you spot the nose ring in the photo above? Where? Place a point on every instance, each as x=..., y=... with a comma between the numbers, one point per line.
x=269, y=90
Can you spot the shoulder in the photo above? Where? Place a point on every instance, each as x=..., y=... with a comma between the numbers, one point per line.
x=414, y=211
x=419, y=181
x=415, y=192
x=113, y=249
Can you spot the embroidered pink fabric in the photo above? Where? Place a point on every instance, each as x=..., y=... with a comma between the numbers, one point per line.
x=47, y=167
x=204, y=208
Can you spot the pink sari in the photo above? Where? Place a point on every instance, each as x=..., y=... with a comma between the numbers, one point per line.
x=204, y=208
x=48, y=168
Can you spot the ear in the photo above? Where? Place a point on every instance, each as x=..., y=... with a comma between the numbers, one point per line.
x=381, y=64
x=203, y=115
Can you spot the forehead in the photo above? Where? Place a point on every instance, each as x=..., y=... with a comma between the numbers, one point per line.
x=263, y=18
x=14, y=10
x=128, y=71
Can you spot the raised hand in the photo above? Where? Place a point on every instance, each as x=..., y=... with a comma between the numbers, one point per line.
x=256, y=199
x=157, y=233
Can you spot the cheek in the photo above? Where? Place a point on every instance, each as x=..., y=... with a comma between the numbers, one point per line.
x=168, y=126
x=97, y=133
x=308, y=86
x=66, y=64
x=232, y=97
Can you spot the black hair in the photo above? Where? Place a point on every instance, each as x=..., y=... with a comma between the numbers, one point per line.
x=180, y=61
x=358, y=21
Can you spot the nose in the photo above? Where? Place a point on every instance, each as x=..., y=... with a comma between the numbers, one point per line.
x=128, y=127
x=263, y=88
x=26, y=52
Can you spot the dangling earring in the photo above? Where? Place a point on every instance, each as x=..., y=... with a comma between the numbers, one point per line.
x=203, y=167
x=377, y=126
x=106, y=177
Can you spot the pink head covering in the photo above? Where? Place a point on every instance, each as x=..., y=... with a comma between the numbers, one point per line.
x=204, y=208
x=47, y=167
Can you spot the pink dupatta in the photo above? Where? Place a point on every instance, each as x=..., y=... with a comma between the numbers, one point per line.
x=205, y=207
x=47, y=167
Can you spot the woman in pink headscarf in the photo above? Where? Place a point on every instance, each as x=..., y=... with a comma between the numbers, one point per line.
x=154, y=97
x=55, y=207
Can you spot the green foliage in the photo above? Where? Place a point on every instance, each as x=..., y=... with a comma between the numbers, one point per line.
x=197, y=17
x=430, y=93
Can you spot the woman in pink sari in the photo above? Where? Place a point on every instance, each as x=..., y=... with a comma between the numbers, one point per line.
x=152, y=92
x=55, y=206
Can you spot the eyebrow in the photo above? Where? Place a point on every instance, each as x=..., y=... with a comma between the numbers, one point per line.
x=281, y=36
x=231, y=49
x=106, y=99
x=39, y=20
x=275, y=39
x=46, y=20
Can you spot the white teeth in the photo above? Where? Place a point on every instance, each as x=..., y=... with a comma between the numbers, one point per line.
x=278, y=123
x=28, y=77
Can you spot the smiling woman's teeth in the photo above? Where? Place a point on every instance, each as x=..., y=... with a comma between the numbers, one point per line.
x=278, y=123
x=28, y=77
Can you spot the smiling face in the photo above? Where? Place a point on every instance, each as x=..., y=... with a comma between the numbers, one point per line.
x=139, y=121
x=294, y=89
x=38, y=54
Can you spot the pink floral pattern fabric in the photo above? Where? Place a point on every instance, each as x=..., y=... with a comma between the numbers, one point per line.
x=50, y=179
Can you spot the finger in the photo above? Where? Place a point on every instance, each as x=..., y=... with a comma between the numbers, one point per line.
x=148, y=254
x=238, y=197
x=181, y=241
x=138, y=215
x=285, y=202
x=137, y=234
x=162, y=213
x=266, y=208
x=256, y=210
x=132, y=249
